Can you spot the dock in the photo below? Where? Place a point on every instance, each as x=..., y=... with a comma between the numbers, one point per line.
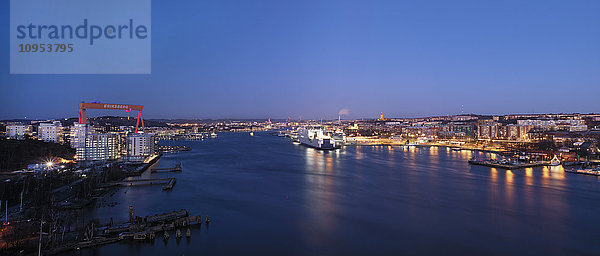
x=139, y=182
x=139, y=168
x=169, y=185
x=176, y=168
x=139, y=228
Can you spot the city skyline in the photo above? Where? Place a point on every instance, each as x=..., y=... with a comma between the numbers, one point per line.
x=280, y=60
x=537, y=116
x=339, y=127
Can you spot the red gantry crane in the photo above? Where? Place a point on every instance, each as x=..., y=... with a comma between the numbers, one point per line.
x=83, y=107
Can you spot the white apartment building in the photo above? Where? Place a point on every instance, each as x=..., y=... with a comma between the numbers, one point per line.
x=78, y=133
x=578, y=128
x=50, y=132
x=140, y=146
x=99, y=147
x=552, y=125
x=18, y=131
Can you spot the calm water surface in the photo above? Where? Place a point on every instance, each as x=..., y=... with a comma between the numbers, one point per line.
x=266, y=195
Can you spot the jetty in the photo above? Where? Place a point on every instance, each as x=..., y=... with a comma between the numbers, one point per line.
x=140, y=182
x=137, y=229
x=176, y=168
x=169, y=185
x=135, y=169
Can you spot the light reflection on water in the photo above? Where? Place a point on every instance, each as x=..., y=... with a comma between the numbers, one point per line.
x=529, y=176
x=510, y=189
x=364, y=200
x=321, y=192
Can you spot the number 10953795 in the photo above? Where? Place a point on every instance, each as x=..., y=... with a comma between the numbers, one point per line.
x=45, y=47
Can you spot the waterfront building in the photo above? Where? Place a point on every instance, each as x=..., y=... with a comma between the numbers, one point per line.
x=91, y=146
x=517, y=132
x=18, y=131
x=78, y=132
x=100, y=147
x=467, y=129
x=50, y=132
x=488, y=131
x=140, y=146
x=416, y=131
x=554, y=125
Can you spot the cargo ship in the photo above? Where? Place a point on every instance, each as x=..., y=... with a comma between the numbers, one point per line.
x=317, y=137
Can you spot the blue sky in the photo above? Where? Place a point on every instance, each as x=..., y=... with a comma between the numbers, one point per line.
x=279, y=59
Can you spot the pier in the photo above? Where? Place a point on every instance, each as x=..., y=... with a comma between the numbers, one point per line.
x=169, y=185
x=138, y=228
x=176, y=168
x=142, y=167
x=139, y=182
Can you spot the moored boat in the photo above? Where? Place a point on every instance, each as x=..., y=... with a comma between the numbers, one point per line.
x=555, y=161
x=317, y=137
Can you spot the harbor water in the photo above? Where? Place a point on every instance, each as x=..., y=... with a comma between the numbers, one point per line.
x=268, y=196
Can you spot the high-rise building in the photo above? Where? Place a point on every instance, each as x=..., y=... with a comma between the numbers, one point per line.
x=78, y=135
x=78, y=132
x=100, y=147
x=50, y=132
x=92, y=146
x=140, y=146
x=18, y=131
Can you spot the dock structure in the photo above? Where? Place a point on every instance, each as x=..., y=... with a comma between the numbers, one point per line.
x=138, y=182
x=169, y=185
x=176, y=168
x=143, y=229
x=167, y=182
x=164, y=217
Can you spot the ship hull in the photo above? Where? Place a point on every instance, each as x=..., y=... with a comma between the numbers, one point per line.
x=324, y=145
x=314, y=140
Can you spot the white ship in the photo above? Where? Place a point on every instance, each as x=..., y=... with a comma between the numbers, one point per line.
x=555, y=161
x=317, y=137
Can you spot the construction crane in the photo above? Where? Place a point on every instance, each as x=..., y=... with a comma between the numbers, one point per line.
x=83, y=107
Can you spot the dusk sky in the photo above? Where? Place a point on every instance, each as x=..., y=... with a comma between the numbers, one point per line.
x=279, y=59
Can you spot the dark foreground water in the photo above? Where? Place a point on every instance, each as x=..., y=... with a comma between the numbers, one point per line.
x=268, y=196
